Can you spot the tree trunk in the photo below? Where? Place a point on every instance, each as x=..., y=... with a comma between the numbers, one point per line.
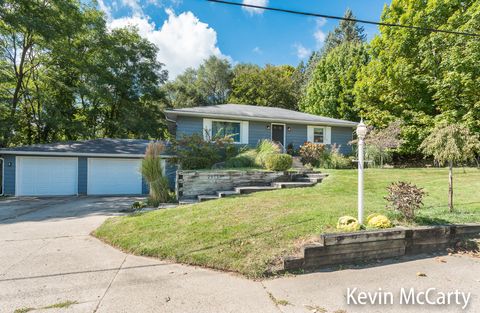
x=450, y=186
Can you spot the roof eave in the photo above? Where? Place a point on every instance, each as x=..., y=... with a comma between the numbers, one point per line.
x=75, y=154
x=262, y=119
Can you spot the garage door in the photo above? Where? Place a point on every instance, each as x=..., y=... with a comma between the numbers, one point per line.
x=114, y=177
x=46, y=176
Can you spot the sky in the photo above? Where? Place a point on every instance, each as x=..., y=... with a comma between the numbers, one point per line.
x=189, y=31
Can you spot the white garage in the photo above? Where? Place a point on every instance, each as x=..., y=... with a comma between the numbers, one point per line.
x=46, y=176
x=110, y=176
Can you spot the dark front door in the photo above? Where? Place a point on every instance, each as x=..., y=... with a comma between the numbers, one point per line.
x=278, y=132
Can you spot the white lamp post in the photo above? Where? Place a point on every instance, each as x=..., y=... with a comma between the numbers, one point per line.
x=361, y=133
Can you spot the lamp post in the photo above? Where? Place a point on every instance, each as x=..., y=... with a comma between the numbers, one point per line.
x=361, y=133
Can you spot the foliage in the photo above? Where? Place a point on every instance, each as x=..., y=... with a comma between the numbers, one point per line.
x=420, y=77
x=381, y=142
x=64, y=76
x=153, y=173
x=268, y=86
x=264, y=148
x=451, y=143
x=138, y=205
x=378, y=221
x=330, y=90
x=311, y=153
x=346, y=32
x=405, y=198
x=208, y=85
x=348, y=224
x=196, y=234
x=243, y=159
x=333, y=159
x=278, y=162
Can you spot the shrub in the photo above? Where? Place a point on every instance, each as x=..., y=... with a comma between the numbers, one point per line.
x=138, y=205
x=311, y=153
x=194, y=152
x=244, y=159
x=152, y=171
x=405, y=198
x=264, y=148
x=278, y=162
x=348, y=223
x=378, y=221
x=335, y=160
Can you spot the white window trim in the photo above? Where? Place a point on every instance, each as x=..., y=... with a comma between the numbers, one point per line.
x=284, y=132
x=244, y=125
x=327, y=134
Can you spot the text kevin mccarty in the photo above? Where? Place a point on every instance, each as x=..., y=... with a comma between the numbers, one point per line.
x=408, y=296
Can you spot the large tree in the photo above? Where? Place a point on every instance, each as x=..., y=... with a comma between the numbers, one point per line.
x=418, y=75
x=269, y=86
x=330, y=90
x=346, y=31
x=64, y=76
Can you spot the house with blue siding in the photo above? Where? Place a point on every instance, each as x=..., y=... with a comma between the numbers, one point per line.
x=248, y=124
x=112, y=166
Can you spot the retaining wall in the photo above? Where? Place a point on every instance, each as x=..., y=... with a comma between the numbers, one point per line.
x=344, y=248
x=190, y=184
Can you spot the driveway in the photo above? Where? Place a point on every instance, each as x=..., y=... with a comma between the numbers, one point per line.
x=47, y=257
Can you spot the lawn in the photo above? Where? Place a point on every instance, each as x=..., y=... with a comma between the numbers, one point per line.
x=250, y=234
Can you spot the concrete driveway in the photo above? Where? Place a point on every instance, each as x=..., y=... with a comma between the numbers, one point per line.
x=47, y=257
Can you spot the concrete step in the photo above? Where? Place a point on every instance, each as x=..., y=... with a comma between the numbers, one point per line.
x=252, y=189
x=226, y=193
x=202, y=198
x=187, y=201
x=293, y=184
x=308, y=179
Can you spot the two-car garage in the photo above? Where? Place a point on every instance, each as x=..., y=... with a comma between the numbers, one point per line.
x=59, y=176
x=94, y=167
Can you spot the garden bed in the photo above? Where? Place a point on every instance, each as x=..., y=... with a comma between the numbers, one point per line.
x=251, y=234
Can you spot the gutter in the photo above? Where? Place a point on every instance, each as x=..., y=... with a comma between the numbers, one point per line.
x=263, y=119
x=75, y=154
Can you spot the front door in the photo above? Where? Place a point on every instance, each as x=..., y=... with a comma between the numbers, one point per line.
x=278, y=133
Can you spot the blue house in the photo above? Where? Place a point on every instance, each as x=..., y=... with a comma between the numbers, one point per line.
x=249, y=124
x=111, y=166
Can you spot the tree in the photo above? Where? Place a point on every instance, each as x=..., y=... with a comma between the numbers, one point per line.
x=386, y=139
x=346, y=31
x=417, y=75
x=209, y=84
x=450, y=144
x=330, y=92
x=269, y=86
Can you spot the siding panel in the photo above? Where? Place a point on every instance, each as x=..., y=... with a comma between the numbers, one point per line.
x=187, y=125
x=9, y=175
x=342, y=136
x=82, y=175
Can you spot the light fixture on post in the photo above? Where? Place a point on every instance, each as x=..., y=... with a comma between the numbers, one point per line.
x=361, y=133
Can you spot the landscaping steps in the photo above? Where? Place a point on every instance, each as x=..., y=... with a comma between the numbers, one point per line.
x=304, y=179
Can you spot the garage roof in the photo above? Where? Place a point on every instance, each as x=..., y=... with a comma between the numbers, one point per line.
x=95, y=147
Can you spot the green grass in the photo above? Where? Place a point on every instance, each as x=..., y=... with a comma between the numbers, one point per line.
x=60, y=305
x=250, y=234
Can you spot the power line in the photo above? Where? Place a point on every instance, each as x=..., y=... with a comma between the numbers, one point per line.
x=433, y=30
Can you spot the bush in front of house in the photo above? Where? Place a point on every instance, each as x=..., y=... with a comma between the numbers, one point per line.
x=405, y=198
x=243, y=159
x=194, y=152
x=348, y=224
x=311, y=153
x=333, y=159
x=378, y=221
x=152, y=171
x=264, y=148
x=278, y=162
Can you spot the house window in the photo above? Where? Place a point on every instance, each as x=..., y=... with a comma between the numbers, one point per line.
x=223, y=128
x=318, y=135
